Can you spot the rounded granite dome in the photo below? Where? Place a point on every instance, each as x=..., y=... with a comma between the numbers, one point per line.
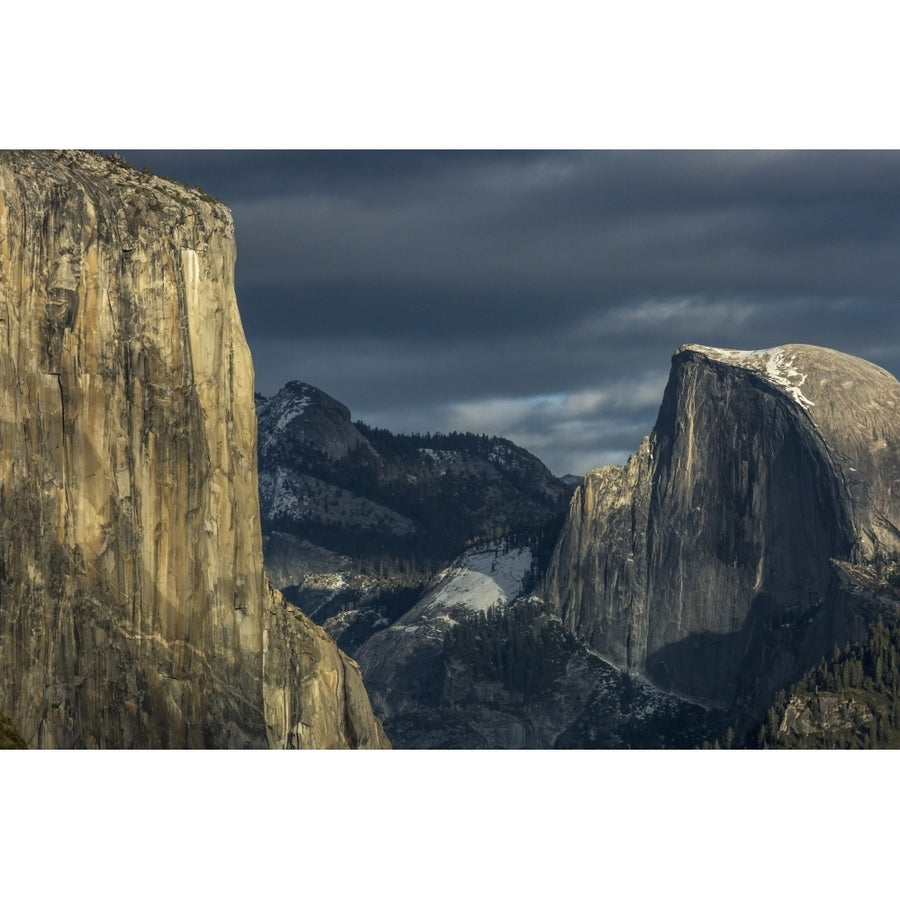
x=853, y=406
x=813, y=376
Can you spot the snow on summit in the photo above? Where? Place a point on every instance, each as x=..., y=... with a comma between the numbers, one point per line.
x=288, y=405
x=776, y=364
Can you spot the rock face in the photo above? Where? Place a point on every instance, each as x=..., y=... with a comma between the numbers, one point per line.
x=10, y=739
x=706, y=561
x=133, y=607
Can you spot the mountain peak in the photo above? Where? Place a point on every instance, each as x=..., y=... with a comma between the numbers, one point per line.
x=697, y=561
x=782, y=367
x=311, y=394
x=307, y=414
x=809, y=375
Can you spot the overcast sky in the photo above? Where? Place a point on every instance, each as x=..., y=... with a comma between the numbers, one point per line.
x=540, y=295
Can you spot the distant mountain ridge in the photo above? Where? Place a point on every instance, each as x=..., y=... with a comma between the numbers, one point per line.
x=304, y=414
x=354, y=515
x=316, y=465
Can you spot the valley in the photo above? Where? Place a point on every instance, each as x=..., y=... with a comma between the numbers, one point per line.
x=661, y=603
x=185, y=563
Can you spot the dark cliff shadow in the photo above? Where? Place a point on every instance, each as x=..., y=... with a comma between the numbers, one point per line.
x=774, y=648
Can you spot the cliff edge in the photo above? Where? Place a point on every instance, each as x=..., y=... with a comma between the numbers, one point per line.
x=133, y=607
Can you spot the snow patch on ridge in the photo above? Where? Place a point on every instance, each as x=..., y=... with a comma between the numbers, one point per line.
x=774, y=364
x=281, y=495
x=291, y=411
x=442, y=458
x=287, y=409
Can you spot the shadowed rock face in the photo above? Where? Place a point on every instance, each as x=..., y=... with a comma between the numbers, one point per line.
x=705, y=562
x=133, y=607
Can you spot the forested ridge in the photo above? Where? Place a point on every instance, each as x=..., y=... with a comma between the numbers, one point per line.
x=454, y=489
x=519, y=645
x=850, y=701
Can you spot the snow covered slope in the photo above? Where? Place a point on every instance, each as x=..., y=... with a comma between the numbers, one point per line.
x=481, y=578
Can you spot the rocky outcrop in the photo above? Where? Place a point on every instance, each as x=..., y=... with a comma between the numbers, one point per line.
x=707, y=561
x=133, y=607
x=825, y=715
x=300, y=414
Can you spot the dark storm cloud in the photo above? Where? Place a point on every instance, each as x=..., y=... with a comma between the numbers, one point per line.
x=563, y=232
x=544, y=292
x=370, y=175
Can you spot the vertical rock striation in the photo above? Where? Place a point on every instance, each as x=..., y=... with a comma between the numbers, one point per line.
x=133, y=607
x=707, y=561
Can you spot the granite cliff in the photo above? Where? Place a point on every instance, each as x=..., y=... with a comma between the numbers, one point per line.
x=134, y=611
x=722, y=559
